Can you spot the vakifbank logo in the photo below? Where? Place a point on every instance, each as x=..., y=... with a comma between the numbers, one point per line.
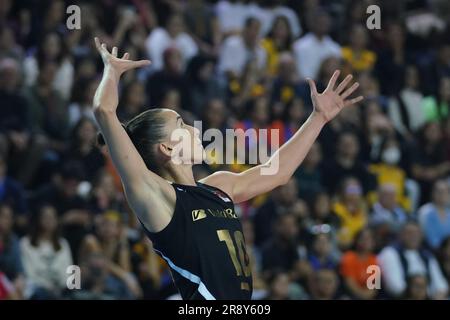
x=198, y=214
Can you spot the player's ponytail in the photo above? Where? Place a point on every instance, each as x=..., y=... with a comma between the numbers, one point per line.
x=145, y=131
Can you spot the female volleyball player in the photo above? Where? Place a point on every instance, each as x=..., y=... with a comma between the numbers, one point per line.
x=192, y=224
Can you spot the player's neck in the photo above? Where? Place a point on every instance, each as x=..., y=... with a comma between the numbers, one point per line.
x=181, y=174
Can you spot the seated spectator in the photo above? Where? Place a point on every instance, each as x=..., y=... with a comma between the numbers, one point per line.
x=437, y=108
x=83, y=149
x=10, y=258
x=22, y=149
x=278, y=286
x=104, y=195
x=286, y=86
x=405, y=108
x=314, y=47
x=82, y=99
x=203, y=85
x=45, y=255
x=429, y=161
x=132, y=101
x=321, y=255
x=322, y=218
x=282, y=250
x=12, y=192
x=388, y=170
x=238, y=50
x=351, y=211
x=174, y=35
x=280, y=200
x=110, y=241
x=417, y=288
x=409, y=258
x=324, y=285
x=97, y=282
x=170, y=77
x=63, y=194
x=288, y=121
x=278, y=40
x=356, y=54
x=355, y=264
x=203, y=25
x=387, y=210
x=434, y=217
x=47, y=110
x=308, y=176
x=346, y=163
x=51, y=48
x=392, y=59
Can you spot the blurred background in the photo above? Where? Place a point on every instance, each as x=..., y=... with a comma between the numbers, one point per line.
x=373, y=190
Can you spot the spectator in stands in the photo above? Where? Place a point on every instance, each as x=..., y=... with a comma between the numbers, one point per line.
x=171, y=77
x=351, y=211
x=417, y=288
x=309, y=179
x=434, y=217
x=405, y=108
x=346, y=163
x=82, y=97
x=429, y=161
x=278, y=40
x=22, y=150
x=132, y=101
x=356, y=54
x=51, y=49
x=282, y=251
x=324, y=285
x=237, y=51
x=12, y=192
x=321, y=255
x=280, y=201
x=174, y=35
x=408, y=258
x=314, y=47
x=110, y=241
x=355, y=266
x=83, y=150
x=45, y=255
x=278, y=286
x=388, y=170
x=10, y=258
x=437, y=108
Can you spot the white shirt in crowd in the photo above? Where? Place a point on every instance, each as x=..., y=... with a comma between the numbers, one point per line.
x=63, y=78
x=310, y=52
x=159, y=40
x=232, y=16
x=394, y=277
x=43, y=266
x=413, y=103
x=235, y=55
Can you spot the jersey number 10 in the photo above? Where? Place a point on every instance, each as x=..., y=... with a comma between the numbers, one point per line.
x=241, y=263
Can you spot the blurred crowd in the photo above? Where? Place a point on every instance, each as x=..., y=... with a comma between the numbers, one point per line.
x=372, y=194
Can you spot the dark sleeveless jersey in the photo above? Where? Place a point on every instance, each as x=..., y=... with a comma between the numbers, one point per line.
x=204, y=245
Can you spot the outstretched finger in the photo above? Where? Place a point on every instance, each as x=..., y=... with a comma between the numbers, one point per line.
x=350, y=90
x=312, y=86
x=343, y=84
x=333, y=80
x=98, y=44
x=125, y=56
x=353, y=101
x=114, y=51
x=140, y=63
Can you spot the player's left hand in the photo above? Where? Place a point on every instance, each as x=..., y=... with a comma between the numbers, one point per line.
x=331, y=101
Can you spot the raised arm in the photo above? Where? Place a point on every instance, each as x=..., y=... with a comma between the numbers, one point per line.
x=143, y=188
x=252, y=182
